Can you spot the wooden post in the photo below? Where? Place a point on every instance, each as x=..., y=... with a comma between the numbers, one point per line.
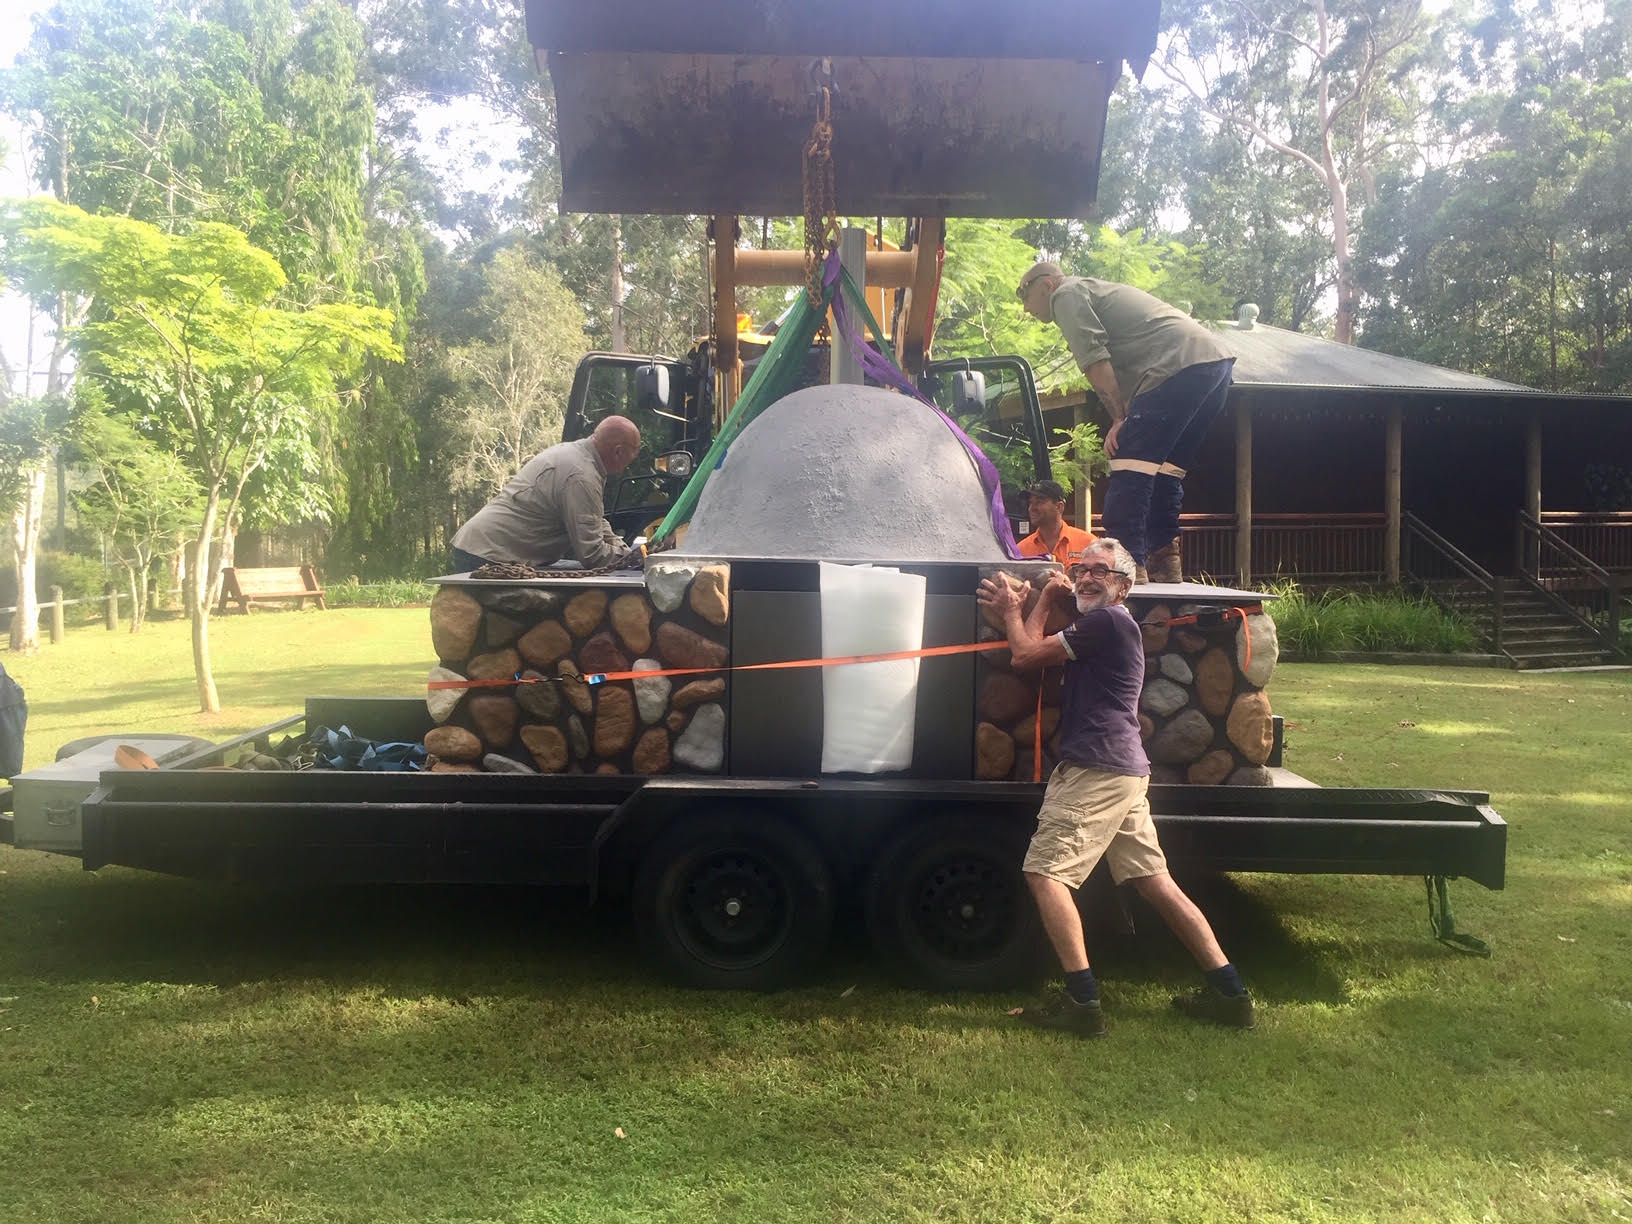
x=1393, y=448
x=727, y=362
x=912, y=343
x=1243, y=492
x=1083, y=494
x=843, y=365
x=56, y=615
x=110, y=606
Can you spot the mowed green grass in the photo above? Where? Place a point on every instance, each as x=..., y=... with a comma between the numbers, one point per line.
x=177, y=1051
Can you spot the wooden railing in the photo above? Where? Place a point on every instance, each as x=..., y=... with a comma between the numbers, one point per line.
x=1605, y=536
x=1433, y=566
x=1322, y=547
x=1571, y=581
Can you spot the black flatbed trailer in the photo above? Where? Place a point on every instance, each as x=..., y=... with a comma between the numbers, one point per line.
x=734, y=880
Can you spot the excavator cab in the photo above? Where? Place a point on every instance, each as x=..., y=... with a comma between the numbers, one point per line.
x=671, y=405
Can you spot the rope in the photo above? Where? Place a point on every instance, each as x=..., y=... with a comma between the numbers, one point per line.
x=821, y=204
x=1442, y=922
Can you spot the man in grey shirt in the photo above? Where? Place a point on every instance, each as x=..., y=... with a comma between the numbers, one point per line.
x=1162, y=376
x=553, y=510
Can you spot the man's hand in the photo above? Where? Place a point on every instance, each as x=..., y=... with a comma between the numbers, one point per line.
x=1059, y=587
x=1001, y=594
x=1112, y=437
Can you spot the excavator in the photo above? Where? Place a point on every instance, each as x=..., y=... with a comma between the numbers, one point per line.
x=939, y=108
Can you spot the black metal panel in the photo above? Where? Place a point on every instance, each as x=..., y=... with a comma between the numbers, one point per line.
x=943, y=741
x=712, y=134
x=388, y=719
x=1018, y=29
x=775, y=717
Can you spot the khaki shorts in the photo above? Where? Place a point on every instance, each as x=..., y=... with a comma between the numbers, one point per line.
x=1087, y=815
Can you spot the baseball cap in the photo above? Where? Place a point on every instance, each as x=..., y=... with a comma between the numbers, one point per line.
x=1046, y=488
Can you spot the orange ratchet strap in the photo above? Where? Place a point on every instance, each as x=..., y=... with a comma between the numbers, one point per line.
x=606, y=677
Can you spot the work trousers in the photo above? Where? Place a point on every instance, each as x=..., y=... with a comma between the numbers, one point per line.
x=1158, y=442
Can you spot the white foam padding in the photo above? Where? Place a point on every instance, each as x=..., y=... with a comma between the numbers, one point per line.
x=868, y=709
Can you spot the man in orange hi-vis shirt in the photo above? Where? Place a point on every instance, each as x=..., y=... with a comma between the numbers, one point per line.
x=1053, y=537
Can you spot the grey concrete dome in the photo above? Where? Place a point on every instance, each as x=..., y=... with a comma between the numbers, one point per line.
x=845, y=473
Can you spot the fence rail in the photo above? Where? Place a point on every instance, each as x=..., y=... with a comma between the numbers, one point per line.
x=1574, y=583
x=1605, y=536
x=1320, y=547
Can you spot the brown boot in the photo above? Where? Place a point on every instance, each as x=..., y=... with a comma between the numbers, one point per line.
x=1140, y=577
x=1164, y=563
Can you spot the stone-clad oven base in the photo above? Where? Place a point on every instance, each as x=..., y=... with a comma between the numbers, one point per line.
x=553, y=634
x=1203, y=714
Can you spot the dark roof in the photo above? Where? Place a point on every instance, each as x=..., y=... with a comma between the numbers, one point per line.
x=1268, y=356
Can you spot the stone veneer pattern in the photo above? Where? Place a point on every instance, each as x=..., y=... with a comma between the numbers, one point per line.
x=1204, y=716
x=561, y=725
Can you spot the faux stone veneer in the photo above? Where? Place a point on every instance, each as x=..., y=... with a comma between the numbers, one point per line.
x=1204, y=716
x=556, y=633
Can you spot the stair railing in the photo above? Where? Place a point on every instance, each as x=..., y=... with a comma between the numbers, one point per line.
x=1549, y=564
x=1441, y=570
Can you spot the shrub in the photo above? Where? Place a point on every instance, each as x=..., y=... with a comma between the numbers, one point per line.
x=79, y=577
x=393, y=593
x=1391, y=622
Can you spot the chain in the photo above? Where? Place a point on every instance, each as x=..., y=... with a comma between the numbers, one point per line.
x=821, y=206
x=517, y=571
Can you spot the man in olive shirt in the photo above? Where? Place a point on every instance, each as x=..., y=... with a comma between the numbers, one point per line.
x=1162, y=376
x=552, y=510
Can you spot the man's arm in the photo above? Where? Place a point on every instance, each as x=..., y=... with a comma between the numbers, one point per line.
x=1029, y=648
x=1103, y=380
x=594, y=543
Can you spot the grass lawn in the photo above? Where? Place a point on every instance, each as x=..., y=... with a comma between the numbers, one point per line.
x=177, y=1052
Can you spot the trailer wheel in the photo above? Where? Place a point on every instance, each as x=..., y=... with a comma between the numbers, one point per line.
x=947, y=902
x=734, y=903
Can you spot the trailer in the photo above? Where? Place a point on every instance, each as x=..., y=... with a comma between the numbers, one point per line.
x=733, y=882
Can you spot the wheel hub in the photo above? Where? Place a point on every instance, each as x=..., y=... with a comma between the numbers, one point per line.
x=735, y=910
x=964, y=908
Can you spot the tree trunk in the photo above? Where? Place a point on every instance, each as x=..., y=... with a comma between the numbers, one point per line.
x=25, y=548
x=619, y=340
x=198, y=588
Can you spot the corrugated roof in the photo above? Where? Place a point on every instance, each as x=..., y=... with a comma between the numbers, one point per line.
x=1268, y=356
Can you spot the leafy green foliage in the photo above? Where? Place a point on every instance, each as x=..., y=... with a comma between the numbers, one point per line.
x=393, y=593
x=1079, y=457
x=1375, y=623
x=512, y=380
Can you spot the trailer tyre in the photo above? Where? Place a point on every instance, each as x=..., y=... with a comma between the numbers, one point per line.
x=947, y=902
x=734, y=903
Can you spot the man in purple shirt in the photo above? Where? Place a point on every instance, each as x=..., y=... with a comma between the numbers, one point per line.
x=1096, y=805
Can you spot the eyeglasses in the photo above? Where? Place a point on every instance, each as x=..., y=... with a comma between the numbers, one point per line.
x=1097, y=572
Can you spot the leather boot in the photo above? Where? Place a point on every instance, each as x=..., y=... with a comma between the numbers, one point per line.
x=1164, y=563
x=1140, y=577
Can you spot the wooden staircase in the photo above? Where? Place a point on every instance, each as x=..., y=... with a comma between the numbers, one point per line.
x=1534, y=633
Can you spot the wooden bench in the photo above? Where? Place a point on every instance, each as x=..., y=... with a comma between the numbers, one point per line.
x=244, y=587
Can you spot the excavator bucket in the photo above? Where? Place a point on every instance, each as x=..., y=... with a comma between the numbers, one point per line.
x=962, y=108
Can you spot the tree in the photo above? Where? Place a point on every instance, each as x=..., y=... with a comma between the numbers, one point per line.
x=190, y=330
x=142, y=500
x=513, y=380
x=30, y=428
x=1331, y=86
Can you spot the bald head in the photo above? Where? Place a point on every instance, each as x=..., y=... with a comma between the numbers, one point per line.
x=617, y=442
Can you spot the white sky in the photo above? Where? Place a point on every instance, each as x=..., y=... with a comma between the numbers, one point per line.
x=14, y=34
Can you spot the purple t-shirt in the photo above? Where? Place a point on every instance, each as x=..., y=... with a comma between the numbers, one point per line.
x=1104, y=673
